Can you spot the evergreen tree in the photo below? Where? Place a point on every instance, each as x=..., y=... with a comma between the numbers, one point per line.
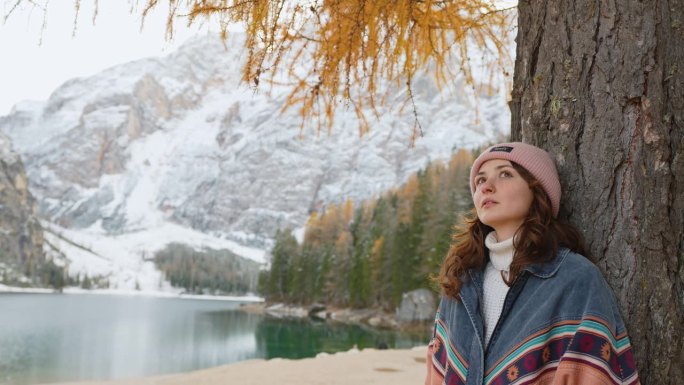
x=86, y=283
x=384, y=226
x=284, y=252
x=360, y=275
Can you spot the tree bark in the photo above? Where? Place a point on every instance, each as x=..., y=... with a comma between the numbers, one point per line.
x=600, y=84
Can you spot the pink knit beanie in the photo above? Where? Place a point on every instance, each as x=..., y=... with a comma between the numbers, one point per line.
x=533, y=159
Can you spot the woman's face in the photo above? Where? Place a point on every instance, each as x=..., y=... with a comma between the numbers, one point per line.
x=502, y=197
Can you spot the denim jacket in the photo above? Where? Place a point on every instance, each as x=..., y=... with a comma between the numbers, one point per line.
x=560, y=324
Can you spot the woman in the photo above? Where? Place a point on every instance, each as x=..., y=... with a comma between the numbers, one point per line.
x=520, y=303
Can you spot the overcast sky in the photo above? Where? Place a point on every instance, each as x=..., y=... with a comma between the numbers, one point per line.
x=32, y=71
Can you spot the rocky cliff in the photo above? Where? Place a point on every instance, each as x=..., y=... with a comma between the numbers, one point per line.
x=21, y=236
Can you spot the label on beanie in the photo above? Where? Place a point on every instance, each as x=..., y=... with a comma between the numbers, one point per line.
x=501, y=149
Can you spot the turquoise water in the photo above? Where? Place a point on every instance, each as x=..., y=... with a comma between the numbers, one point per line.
x=59, y=337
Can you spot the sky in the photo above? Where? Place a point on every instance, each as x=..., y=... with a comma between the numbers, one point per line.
x=31, y=69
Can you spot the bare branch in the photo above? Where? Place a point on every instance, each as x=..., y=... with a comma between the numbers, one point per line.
x=14, y=7
x=417, y=127
x=77, y=8
x=96, y=9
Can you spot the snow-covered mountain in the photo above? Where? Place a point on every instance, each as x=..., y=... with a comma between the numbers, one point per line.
x=175, y=149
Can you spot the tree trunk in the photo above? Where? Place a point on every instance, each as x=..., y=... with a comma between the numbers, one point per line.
x=600, y=84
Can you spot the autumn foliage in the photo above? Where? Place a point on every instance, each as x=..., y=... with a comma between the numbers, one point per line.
x=343, y=50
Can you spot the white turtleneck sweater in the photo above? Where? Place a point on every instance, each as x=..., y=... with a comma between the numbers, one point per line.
x=495, y=289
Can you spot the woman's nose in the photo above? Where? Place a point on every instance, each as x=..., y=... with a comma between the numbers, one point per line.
x=486, y=186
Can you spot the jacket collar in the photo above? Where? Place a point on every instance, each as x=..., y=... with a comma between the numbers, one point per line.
x=548, y=269
x=542, y=270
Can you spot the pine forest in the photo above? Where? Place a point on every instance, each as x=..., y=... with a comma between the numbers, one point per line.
x=369, y=254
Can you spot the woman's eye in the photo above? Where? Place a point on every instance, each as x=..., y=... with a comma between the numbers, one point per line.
x=479, y=181
x=506, y=174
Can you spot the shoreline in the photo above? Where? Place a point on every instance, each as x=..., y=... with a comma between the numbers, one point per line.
x=374, y=318
x=415, y=312
x=364, y=367
x=130, y=293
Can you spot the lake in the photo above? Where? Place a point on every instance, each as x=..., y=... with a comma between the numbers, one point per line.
x=65, y=337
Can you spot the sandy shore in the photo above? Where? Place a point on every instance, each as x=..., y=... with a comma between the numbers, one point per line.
x=366, y=367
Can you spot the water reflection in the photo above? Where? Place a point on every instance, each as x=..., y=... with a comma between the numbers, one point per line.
x=49, y=338
x=305, y=338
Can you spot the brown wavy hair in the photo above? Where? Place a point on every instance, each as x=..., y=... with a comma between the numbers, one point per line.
x=537, y=240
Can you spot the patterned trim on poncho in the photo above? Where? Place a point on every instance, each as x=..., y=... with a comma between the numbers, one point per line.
x=584, y=350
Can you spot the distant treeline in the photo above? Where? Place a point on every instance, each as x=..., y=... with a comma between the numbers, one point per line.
x=372, y=254
x=207, y=271
x=33, y=273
